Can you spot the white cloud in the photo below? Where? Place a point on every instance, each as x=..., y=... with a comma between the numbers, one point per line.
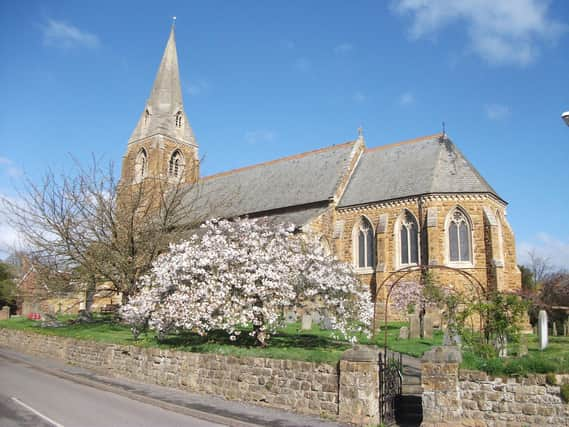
x=343, y=48
x=406, y=98
x=547, y=246
x=302, y=64
x=63, y=35
x=8, y=167
x=501, y=32
x=260, y=136
x=359, y=97
x=497, y=111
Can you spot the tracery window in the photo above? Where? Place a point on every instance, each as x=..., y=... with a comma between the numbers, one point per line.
x=364, y=244
x=459, y=237
x=141, y=165
x=176, y=164
x=408, y=234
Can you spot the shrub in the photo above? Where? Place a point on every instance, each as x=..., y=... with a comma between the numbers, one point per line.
x=565, y=393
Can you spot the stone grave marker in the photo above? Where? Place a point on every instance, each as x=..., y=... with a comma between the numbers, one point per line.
x=326, y=323
x=554, y=329
x=316, y=318
x=501, y=346
x=523, y=346
x=306, y=322
x=5, y=313
x=404, y=333
x=542, y=329
x=414, y=326
x=290, y=316
x=451, y=339
x=428, y=326
x=566, y=328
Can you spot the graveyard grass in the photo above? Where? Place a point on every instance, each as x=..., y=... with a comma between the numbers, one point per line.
x=290, y=342
x=314, y=345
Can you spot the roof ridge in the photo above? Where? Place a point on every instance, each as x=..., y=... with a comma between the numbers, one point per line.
x=405, y=142
x=281, y=159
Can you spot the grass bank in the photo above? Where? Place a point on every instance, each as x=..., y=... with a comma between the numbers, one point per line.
x=291, y=342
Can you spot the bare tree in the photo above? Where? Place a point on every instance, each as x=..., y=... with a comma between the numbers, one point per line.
x=540, y=267
x=87, y=227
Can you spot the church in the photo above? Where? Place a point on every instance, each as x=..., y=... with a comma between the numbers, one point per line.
x=387, y=209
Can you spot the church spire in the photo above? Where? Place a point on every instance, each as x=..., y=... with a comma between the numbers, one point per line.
x=164, y=113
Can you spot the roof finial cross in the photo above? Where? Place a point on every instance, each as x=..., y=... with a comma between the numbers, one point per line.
x=173, y=21
x=360, y=132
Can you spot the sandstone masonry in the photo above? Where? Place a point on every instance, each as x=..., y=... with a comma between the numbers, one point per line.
x=347, y=391
x=453, y=397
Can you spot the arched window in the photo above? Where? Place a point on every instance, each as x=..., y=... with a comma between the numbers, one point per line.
x=408, y=235
x=325, y=246
x=459, y=237
x=176, y=164
x=364, y=243
x=141, y=165
x=179, y=119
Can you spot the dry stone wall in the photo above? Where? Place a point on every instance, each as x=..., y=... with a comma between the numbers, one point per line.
x=303, y=387
x=454, y=397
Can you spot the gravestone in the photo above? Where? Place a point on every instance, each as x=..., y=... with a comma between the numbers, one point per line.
x=414, y=326
x=326, y=323
x=554, y=329
x=428, y=326
x=5, y=313
x=316, y=318
x=306, y=322
x=566, y=328
x=451, y=339
x=501, y=346
x=404, y=333
x=290, y=316
x=542, y=329
x=523, y=346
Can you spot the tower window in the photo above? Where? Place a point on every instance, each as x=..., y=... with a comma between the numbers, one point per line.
x=141, y=165
x=176, y=164
x=179, y=119
x=146, y=117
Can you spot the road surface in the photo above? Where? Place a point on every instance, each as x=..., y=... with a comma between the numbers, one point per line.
x=29, y=397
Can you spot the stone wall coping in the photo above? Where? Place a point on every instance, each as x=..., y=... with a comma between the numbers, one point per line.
x=529, y=379
x=361, y=353
x=443, y=354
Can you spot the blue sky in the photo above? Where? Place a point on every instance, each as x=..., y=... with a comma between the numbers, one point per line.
x=263, y=80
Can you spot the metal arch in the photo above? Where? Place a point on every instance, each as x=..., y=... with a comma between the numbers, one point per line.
x=404, y=272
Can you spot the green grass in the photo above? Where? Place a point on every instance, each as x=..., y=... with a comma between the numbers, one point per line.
x=315, y=345
x=554, y=359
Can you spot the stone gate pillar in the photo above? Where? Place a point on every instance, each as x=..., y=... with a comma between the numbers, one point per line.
x=439, y=378
x=359, y=386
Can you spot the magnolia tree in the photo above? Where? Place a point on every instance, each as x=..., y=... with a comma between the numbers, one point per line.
x=246, y=272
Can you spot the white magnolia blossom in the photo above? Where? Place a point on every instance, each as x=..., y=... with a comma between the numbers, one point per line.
x=246, y=272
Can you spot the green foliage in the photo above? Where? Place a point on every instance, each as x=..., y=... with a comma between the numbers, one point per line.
x=7, y=285
x=528, y=282
x=565, y=393
x=551, y=379
x=500, y=315
x=554, y=359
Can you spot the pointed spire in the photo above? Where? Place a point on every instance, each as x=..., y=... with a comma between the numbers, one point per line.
x=166, y=95
x=164, y=112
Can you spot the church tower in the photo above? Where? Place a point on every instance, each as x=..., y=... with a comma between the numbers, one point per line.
x=162, y=147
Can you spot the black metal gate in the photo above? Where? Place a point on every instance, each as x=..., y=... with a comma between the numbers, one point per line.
x=390, y=384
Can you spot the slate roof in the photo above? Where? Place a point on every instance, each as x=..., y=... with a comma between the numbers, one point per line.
x=306, y=181
x=430, y=164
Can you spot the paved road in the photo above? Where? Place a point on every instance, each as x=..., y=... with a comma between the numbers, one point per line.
x=29, y=397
